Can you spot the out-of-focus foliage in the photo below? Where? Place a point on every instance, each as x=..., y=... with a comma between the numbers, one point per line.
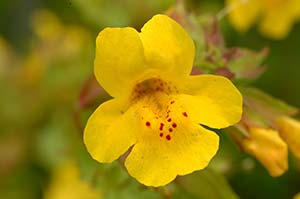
x=38, y=90
x=118, y=12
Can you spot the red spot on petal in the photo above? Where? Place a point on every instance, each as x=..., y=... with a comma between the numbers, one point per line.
x=170, y=130
x=172, y=102
x=169, y=120
x=148, y=124
x=161, y=126
x=161, y=134
x=174, y=125
x=184, y=114
x=168, y=137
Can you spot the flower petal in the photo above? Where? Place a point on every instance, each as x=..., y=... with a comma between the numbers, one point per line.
x=167, y=46
x=109, y=132
x=289, y=130
x=212, y=100
x=243, y=14
x=269, y=149
x=297, y=196
x=66, y=183
x=156, y=161
x=276, y=24
x=119, y=58
x=279, y=18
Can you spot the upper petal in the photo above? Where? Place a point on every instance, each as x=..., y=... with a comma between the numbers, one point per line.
x=110, y=131
x=119, y=59
x=167, y=46
x=211, y=100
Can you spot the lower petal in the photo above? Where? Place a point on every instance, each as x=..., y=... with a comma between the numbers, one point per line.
x=156, y=162
x=110, y=131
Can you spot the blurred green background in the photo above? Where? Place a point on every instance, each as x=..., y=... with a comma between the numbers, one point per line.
x=46, y=55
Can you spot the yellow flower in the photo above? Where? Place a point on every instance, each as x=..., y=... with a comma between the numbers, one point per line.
x=46, y=25
x=297, y=196
x=157, y=105
x=66, y=184
x=276, y=17
x=54, y=39
x=267, y=147
x=289, y=130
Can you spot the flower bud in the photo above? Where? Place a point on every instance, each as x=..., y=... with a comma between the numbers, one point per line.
x=289, y=130
x=268, y=148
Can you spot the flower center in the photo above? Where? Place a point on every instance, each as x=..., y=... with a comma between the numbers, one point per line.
x=151, y=87
x=159, y=110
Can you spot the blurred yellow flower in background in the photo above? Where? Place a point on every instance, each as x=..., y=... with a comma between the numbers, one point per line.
x=275, y=18
x=289, y=130
x=297, y=196
x=267, y=130
x=66, y=184
x=64, y=40
x=46, y=25
x=267, y=147
x=157, y=105
x=55, y=45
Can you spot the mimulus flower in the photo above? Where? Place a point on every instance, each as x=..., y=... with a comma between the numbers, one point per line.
x=297, y=196
x=267, y=130
x=266, y=145
x=157, y=106
x=66, y=184
x=289, y=130
x=276, y=17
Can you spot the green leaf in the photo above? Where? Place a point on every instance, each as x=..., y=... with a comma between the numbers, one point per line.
x=266, y=105
x=206, y=184
x=115, y=183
